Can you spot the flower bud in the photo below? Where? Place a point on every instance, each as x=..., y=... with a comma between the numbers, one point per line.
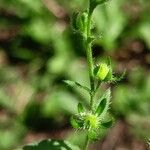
x=79, y=22
x=101, y=71
x=82, y=22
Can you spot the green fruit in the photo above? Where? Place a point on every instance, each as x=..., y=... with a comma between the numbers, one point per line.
x=109, y=75
x=101, y=71
x=92, y=121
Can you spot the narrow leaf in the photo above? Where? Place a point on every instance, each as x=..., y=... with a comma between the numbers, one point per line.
x=101, y=106
x=104, y=104
x=76, y=84
x=74, y=123
x=108, y=123
x=80, y=108
x=74, y=21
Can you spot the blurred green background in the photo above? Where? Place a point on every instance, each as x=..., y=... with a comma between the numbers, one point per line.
x=38, y=50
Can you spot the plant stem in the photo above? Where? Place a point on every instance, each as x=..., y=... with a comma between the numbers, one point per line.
x=89, y=52
x=90, y=56
x=86, y=143
x=90, y=64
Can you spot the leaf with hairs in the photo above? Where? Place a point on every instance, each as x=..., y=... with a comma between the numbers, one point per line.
x=104, y=104
x=76, y=84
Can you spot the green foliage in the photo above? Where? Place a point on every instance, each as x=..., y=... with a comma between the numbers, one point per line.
x=76, y=84
x=51, y=144
x=101, y=106
x=104, y=104
x=38, y=51
x=132, y=102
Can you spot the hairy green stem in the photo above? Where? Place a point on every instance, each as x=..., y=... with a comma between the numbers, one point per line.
x=86, y=143
x=89, y=55
x=90, y=64
x=89, y=52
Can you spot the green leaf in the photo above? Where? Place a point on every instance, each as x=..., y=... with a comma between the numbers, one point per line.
x=101, y=106
x=74, y=21
x=107, y=123
x=104, y=104
x=76, y=122
x=76, y=84
x=79, y=22
x=80, y=108
x=51, y=145
x=109, y=76
x=93, y=135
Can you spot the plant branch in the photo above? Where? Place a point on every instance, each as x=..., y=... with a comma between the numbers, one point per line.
x=89, y=54
x=86, y=143
x=90, y=64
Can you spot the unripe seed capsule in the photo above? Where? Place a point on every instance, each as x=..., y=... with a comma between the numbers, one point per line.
x=101, y=71
x=92, y=121
x=109, y=75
